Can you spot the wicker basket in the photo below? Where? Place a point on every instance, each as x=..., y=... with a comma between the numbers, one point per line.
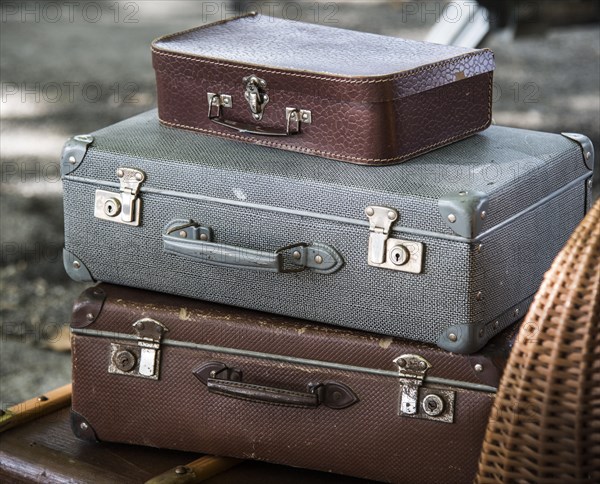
x=545, y=426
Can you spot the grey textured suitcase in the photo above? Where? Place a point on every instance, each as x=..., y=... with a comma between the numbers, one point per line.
x=447, y=249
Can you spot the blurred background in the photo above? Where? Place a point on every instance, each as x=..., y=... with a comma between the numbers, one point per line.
x=69, y=68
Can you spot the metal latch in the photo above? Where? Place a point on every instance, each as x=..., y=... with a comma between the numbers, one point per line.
x=418, y=401
x=256, y=95
x=257, y=98
x=395, y=254
x=124, y=207
x=142, y=360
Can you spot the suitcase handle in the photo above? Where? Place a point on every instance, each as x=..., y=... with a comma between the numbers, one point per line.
x=225, y=381
x=195, y=242
x=293, y=118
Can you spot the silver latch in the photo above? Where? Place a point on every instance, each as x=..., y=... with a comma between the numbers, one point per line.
x=142, y=360
x=418, y=401
x=218, y=101
x=124, y=207
x=256, y=95
x=395, y=254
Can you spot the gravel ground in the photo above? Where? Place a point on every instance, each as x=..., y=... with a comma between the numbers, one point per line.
x=547, y=83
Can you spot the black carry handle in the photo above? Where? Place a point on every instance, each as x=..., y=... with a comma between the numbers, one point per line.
x=225, y=381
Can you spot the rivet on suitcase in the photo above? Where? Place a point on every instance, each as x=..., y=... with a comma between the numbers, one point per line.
x=171, y=372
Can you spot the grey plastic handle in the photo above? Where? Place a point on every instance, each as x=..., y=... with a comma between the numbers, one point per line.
x=195, y=242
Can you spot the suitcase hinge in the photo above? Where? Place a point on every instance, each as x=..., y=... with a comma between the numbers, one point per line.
x=395, y=254
x=417, y=401
x=142, y=360
x=124, y=207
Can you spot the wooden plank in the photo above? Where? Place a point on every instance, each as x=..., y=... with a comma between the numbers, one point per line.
x=35, y=407
x=197, y=471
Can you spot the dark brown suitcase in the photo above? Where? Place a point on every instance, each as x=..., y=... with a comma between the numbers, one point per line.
x=170, y=372
x=339, y=94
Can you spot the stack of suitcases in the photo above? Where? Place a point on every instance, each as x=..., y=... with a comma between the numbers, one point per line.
x=276, y=284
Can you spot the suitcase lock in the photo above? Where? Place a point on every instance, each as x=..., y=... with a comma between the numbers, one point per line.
x=387, y=253
x=417, y=401
x=141, y=360
x=124, y=207
x=255, y=93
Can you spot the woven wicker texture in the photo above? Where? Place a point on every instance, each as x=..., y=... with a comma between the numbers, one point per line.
x=545, y=426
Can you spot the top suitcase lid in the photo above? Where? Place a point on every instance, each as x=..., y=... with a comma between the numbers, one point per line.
x=335, y=63
x=460, y=192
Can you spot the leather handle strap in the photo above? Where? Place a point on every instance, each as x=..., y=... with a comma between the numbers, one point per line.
x=258, y=393
x=196, y=242
x=225, y=381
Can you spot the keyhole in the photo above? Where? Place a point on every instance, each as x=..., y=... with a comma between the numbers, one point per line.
x=112, y=207
x=399, y=255
x=124, y=360
x=433, y=405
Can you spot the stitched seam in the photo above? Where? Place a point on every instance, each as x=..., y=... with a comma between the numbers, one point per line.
x=334, y=154
x=387, y=78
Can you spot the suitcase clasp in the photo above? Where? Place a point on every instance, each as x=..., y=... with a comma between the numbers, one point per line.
x=418, y=401
x=395, y=254
x=255, y=95
x=141, y=360
x=257, y=99
x=124, y=207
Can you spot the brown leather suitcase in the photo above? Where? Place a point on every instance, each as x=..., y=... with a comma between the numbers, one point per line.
x=176, y=373
x=339, y=94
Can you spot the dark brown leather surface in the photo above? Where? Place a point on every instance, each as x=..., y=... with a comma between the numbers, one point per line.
x=263, y=41
x=365, y=120
x=367, y=439
x=46, y=451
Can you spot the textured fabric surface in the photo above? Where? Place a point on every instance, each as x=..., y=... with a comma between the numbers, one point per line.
x=505, y=270
x=202, y=322
x=515, y=167
x=368, y=439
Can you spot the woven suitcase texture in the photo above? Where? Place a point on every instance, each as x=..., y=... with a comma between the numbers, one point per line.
x=369, y=439
x=470, y=285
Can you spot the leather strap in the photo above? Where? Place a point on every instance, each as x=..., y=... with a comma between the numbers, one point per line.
x=225, y=381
